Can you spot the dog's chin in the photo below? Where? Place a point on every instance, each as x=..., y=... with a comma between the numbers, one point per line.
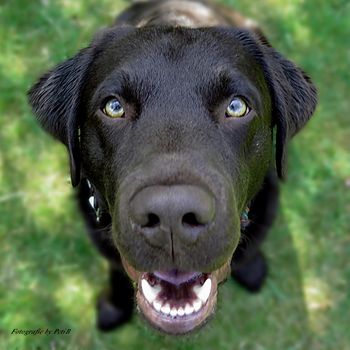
x=177, y=302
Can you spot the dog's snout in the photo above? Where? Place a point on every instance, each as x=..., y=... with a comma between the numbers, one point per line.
x=181, y=211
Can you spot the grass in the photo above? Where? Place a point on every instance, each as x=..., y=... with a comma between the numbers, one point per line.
x=50, y=273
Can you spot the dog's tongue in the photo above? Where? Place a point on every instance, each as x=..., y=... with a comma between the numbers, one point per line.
x=176, y=277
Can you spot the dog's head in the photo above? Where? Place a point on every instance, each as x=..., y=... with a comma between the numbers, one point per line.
x=174, y=128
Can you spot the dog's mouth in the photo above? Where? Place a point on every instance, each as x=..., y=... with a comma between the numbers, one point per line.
x=177, y=302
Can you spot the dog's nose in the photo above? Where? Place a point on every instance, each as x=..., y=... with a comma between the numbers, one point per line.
x=179, y=212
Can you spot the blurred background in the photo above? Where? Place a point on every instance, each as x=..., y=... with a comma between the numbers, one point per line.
x=50, y=274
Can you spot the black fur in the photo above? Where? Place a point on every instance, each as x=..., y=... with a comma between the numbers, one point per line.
x=175, y=84
x=57, y=109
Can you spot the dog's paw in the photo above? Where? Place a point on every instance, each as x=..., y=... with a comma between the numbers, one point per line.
x=110, y=316
x=252, y=274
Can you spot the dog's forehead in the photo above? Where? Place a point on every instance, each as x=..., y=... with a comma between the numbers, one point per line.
x=148, y=52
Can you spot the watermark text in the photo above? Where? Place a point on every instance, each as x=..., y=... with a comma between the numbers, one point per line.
x=41, y=331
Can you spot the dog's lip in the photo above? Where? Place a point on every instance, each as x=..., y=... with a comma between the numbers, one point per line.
x=180, y=323
x=176, y=277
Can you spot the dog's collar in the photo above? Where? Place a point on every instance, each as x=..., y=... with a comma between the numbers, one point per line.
x=94, y=202
x=245, y=218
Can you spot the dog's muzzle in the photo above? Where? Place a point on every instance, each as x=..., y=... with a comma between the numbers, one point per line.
x=177, y=302
x=176, y=230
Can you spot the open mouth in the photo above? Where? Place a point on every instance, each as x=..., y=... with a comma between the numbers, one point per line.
x=177, y=302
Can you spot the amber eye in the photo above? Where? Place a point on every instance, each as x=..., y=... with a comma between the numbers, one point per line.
x=113, y=109
x=237, y=108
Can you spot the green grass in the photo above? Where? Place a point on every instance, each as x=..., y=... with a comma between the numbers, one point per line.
x=50, y=273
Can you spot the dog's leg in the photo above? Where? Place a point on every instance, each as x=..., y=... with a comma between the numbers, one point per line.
x=248, y=266
x=116, y=306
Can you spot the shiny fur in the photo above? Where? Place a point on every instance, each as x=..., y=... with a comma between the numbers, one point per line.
x=176, y=82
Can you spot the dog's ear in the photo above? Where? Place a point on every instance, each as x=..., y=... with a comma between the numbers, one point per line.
x=55, y=98
x=294, y=99
x=55, y=101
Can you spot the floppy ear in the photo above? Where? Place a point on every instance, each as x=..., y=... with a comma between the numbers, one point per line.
x=294, y=99
x=55, y=101
x=55, y=98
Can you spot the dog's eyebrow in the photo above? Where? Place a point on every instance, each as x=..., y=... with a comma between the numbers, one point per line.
x=231, y=83
x=122, y=84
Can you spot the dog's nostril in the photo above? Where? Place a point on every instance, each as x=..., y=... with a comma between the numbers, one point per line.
x=153, y=221
x=190, y=219
x=161, y=214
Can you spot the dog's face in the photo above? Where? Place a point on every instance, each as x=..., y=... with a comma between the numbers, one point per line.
x=175, y=132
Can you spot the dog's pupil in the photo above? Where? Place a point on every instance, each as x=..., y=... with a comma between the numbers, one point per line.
x=236, y=105
x=115, y=105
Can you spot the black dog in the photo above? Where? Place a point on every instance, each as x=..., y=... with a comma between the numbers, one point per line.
x=170, y=136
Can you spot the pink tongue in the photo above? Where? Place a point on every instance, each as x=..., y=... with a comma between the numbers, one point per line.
x=176, y=277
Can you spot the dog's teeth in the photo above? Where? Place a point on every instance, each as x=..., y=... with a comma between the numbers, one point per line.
x=165, y=309
x=203, y=292
x=157, y=305
x=188, y=309
x=173, y=312
x=180, y=311
x=150, y=292
x=197, y=304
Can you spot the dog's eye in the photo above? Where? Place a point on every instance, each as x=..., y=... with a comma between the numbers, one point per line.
x=114, y=109
x=237, y=108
